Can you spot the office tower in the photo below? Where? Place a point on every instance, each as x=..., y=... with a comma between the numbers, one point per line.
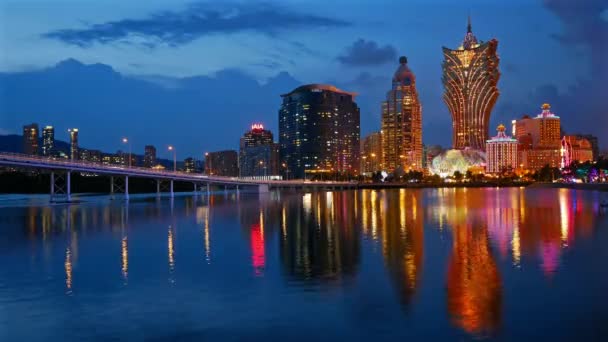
x=222, y=163
x=539, y=139
x=73, y=143
x=319, y=131
x=258, y=154
x=470, y=76
x=501, y=152
x=371, y=153
x=576, y=148
x=30, y=139
x=48, y=140
x=149, y=156
x=189, y=165
x=256, y=136
x=402, y=122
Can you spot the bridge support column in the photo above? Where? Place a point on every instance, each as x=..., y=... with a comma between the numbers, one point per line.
x=263, y=188
x=69, y=186
x=195, y=188
x=52, y=184
x=208, y=192
x=112, y=187
x=171, y=188
x=157, y=187
x=127, y=188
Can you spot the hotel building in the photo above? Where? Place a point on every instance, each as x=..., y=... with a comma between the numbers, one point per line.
x=470, y=77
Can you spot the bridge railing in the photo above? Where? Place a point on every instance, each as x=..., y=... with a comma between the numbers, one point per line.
x=90, y=166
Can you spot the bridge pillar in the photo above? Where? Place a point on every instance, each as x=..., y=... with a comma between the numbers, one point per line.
x=157, y=187
x=127, y=188
x=208, y=192
x=111, y=187
x=195, y=189
x=263, y=188
x=69, y=186
x=52, y=184
x=171, y=188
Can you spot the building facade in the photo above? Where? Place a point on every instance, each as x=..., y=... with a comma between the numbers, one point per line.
x=73, y=143
x=189, y=165
x=470, y=78
x=539, y=141
x=371, y=153
x=222, y=163
x=595, y=145
x=501, y=152
x=48, y=140
x=149, y=156
x=258, y=154
x=30, y=139
x=319, y=131
x=402, y=122
x=576, y=149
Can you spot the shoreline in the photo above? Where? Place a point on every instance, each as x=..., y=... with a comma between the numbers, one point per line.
x=574, y=186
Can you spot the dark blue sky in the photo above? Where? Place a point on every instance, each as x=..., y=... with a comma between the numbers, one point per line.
x=196, y=74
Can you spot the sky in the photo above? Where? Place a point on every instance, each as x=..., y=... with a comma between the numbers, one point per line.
x=196, y=74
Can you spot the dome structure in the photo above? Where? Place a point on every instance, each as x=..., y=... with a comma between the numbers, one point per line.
x=404, y=75
x=454, y=160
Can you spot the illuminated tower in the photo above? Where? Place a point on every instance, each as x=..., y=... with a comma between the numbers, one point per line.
x=73, y=143
x=470, y=76
x=501, y=152
x=402, y=122
x=319, y=131
x=48, y=140
x=258, y=154
x=30, y=139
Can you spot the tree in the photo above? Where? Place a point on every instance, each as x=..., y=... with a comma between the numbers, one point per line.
x=458, y=176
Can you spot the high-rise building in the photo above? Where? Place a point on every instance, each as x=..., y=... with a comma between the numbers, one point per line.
x=470, y=76
x=539, y=139
x=222, y=163
x=73, y=143
x=319, y=131
x=256, y=136
x=258, y=154
x=402, y=122
x=149, y=156
x=48, y=140
x=576, y=148
x=371, y=153
x=501, y=152
x=189, y=165
x=30, y=139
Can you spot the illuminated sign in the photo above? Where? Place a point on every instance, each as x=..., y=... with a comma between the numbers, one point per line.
x=257, y=126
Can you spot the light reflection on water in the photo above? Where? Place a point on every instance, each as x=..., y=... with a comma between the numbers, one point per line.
x=435, y=263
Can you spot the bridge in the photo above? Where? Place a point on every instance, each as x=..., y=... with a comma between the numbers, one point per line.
x=60, y=171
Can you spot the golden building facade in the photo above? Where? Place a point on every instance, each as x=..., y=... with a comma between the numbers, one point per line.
x=402, y=122
x=470, y=78
x=539, y=140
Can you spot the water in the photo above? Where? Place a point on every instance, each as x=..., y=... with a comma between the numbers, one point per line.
x=433, y=264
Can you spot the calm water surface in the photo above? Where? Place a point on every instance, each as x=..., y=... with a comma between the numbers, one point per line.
x=434, y=264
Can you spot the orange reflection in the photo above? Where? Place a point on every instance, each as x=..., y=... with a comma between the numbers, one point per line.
x=473, y=284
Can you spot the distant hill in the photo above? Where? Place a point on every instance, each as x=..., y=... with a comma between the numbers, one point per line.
x=13, y=143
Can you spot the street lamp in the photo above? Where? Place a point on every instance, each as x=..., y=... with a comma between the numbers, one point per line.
x=174, y=158
x=262, y=165
x=286, y=170
x=126, y=141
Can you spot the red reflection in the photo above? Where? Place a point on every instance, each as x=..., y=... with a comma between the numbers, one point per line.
x=258, y=256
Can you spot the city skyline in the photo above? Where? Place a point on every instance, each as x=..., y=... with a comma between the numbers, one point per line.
x=362, y=66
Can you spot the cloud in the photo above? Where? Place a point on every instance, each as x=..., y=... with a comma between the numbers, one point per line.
x=175, y=28
x=363, y=53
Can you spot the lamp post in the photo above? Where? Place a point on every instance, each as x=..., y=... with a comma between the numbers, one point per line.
x=126, y=141
x=174, y=158
x=264, y=166
x=286, y=170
